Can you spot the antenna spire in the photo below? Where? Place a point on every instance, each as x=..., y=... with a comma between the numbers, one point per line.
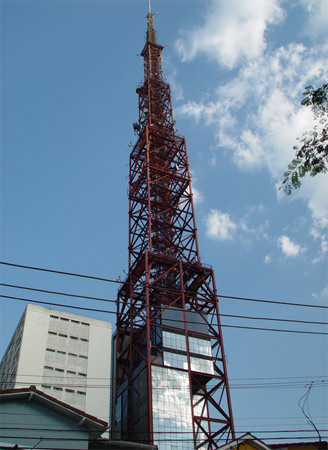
x=151, y=32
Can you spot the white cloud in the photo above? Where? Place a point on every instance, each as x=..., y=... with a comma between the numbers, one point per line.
x=267, y=259
x=320, y=236
x=233, y=31
x=288, y=247
x=175, y=86
x=197, y=196
x=220, y=226
x=323, y=295
x=317, y=11
x=263, y=104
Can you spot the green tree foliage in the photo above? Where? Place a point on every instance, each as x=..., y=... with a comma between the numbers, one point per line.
x=311, y=156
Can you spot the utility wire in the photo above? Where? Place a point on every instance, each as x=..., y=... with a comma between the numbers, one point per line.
x=66, y=384
x=157, y=432
x=183, y=438
x=65, y=294
x=154, y=287
x=303, y=380
x=171, y=320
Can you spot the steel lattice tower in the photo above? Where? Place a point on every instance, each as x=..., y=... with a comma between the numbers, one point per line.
x=171, y=386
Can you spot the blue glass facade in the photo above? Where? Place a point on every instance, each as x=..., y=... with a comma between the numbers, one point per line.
x=171, y=393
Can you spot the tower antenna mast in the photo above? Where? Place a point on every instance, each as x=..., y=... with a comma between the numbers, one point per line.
x=171, y=382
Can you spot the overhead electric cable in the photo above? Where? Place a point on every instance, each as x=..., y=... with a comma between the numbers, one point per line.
x=175, y=320
x=163, y=289
x=65, y=294
x=171, y=320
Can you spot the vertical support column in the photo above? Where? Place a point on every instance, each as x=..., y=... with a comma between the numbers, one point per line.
x=188, y=354
x=148, y=350
x=223, y=360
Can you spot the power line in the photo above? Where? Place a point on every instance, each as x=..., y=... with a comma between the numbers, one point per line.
x=115, y=301
x=171, y=320
x=157, y=432
x=173, y=439
x=66, y=384
x=108, y=280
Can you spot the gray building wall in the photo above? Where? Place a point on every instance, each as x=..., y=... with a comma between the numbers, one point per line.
x=61, y=353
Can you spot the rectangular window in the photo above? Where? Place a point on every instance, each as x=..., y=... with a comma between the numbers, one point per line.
x=82, y=374
x=64, y=318
x=80, y=392
x=71, y=372
x=54, y=317
x=52, y=333
x=61, y=353
x=74, y=337
x=50, y=350
x=84, y=340
x=83, y=357
x=62, y=335
x=48, y=368
x=75, y=321
x=85, y=323
x=73, y=354
x=202, y=365
x=70, y=391
x=58, y=388
x=59, y=370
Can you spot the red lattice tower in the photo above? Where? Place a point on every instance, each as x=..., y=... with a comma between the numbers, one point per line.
x=168, y=295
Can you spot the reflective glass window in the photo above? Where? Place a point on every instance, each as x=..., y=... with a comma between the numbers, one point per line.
x=201, y=365
x=171, y=409
x=200, y=346
x=174, y=340
x=175, y=360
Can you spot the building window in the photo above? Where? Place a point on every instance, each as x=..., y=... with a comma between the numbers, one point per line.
x=174, y=341
x=54, y=317
x=74, y=337
x=84, y=340
x=175, y=360
x=52, y=333
x=80, y=392
x=71, y=372
x=58, y=388
x=62, y=335
x=73, y=354
x=61, y=353
x=48, y=368
x=85, y=323
x=81, y=374
x=200, y=346
x=71, y=391
x=64, y=318
x=50, y=350
x=83, y=357
x=201, y=365
x=75, y=321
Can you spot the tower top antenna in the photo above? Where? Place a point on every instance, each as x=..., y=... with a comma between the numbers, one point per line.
x=151, y=33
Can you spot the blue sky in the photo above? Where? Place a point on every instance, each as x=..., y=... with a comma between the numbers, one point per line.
x=237, y=70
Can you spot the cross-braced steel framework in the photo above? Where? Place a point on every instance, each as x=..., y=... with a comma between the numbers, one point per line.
x=165, y=276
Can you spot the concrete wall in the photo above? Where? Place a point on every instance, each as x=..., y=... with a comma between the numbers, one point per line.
x=67, y=356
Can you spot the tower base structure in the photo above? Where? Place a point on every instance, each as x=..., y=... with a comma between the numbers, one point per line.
x=170, y=368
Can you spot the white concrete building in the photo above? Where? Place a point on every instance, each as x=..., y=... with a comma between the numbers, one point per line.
x=65, y=355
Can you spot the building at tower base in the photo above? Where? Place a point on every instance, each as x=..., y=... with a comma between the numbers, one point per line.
x=65, y=355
